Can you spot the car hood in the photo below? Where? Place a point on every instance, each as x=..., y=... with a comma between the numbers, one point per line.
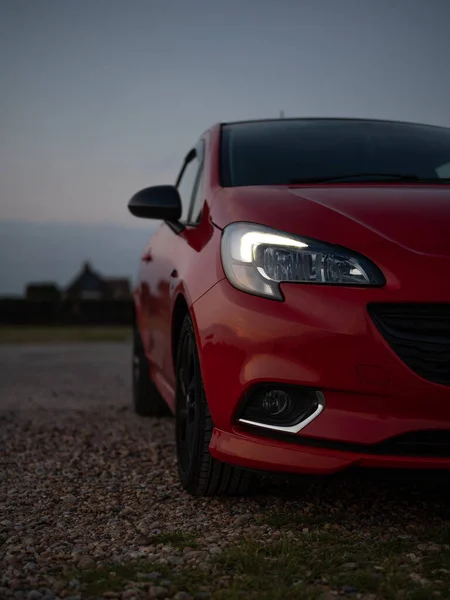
x=416, y=217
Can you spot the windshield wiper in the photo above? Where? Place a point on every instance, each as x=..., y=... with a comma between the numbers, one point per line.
x=372, y=177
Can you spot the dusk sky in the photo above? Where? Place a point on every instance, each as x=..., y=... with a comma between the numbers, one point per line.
x=102, y=97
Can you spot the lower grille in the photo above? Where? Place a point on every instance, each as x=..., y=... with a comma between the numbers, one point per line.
x=434, y=443
x=419, y=334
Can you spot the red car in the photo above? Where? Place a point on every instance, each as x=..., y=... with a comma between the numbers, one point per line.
x=293, y=308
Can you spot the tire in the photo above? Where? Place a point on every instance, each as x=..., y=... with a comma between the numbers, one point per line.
x=147, y=401
x=200, y=474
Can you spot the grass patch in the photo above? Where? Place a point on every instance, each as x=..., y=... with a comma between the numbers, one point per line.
x=310, y=564
x=304, y=559
x=177, y=539
x=293, y=519
x=439, y=534
x=112, y=577
x=290, y=568
x=143, y=574
x=52, y=335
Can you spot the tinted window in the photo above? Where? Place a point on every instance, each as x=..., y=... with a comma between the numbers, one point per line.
x=284, y=151
x=186, y=185
x=197, y=205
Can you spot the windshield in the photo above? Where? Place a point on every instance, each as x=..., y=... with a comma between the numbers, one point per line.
x=283, y=152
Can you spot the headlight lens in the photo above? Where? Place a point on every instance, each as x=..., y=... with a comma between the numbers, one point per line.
x=256, y=259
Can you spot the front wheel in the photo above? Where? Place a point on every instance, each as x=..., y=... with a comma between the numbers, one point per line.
x=200, y=474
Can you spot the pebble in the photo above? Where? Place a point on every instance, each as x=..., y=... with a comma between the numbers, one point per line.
x=182, y=596
x=7, y=523
x=158, y=592
x=154, y=575
x=349, y=589
x=86, y=562
x=196, y=555
x=422, y=547
x=69, y=498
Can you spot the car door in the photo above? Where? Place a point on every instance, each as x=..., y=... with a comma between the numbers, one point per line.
x=161, y=263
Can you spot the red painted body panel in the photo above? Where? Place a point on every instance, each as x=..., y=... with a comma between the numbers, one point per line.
x=176, y=260
x=320, y=336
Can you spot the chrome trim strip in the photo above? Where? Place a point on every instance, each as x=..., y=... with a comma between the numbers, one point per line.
x=293, y=428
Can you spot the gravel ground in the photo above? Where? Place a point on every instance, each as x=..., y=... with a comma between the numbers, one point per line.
x=86, y=484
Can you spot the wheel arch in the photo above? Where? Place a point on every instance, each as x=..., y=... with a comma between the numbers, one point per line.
x=182, y=308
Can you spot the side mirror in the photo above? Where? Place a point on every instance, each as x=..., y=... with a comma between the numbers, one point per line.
x=157, y=202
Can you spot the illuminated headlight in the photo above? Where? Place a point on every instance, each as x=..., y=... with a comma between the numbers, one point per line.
x=256, y=259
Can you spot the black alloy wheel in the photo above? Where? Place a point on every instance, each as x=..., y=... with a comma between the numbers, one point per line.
x=200, y=474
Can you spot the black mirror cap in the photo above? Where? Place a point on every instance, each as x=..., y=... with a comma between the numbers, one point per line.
x=157, y=202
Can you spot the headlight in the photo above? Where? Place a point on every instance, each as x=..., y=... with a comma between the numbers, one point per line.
x=256, y=259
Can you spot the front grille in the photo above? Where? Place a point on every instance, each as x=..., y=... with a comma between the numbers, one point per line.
x=420, y=336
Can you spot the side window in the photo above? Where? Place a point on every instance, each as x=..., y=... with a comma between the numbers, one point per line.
x=198, y=201
x=186, y=185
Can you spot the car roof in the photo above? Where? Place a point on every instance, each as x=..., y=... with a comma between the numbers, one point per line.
x=365, y=119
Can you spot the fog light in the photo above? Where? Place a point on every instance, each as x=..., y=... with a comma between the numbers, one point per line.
x=286, y=408
x=276, y=402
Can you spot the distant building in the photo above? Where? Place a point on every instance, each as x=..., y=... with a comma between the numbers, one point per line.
x=90, y=285
x=118, y=288
x=87, y=285
x=42, y=292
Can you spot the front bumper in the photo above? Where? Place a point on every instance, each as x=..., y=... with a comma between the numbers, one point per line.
x=323, y=338
x=262, y=453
